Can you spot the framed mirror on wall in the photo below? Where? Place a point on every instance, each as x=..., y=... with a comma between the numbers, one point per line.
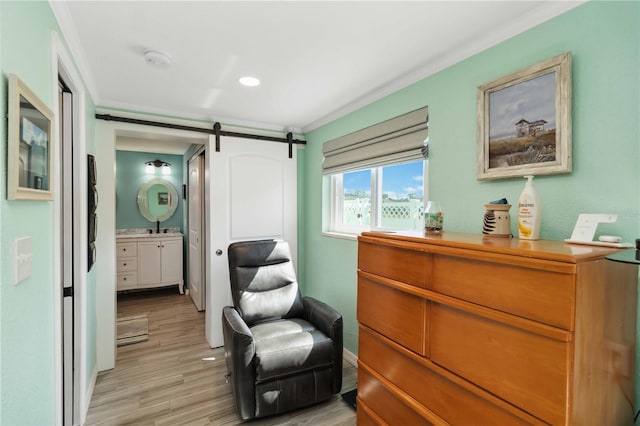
x=157, y=199
x=30, y=145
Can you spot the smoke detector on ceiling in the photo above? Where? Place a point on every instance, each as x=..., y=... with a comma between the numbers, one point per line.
x=154, y=57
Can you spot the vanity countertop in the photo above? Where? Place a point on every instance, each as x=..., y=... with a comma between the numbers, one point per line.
x=144, y=233
x=148, y=235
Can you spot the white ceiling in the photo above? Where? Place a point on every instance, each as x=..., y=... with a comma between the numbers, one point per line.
x=317, y=60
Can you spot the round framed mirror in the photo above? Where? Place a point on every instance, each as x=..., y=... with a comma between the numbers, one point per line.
x=157, y=200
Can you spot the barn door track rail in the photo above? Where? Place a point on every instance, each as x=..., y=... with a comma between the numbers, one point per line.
x=217, y=131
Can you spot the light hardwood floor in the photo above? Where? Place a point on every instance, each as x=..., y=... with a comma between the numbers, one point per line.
x=174, y=378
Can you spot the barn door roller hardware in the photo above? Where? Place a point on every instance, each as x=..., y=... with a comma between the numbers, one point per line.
x=217, y=131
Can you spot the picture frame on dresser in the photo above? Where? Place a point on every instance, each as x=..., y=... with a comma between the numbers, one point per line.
x=30, y=144
x=524, y=121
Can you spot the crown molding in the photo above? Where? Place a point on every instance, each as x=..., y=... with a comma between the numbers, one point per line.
x=71, y=39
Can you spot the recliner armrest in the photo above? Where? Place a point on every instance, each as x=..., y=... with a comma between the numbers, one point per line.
x=329, y=321
x=323, y=316
x=239, y=352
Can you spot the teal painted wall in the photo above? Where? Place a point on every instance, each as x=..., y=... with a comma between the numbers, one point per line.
x=604, y=40
x=27, y=391
x=27, y=309
x=130, y=175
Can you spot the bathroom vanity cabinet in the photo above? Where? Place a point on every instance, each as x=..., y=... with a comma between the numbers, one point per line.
x=464, y=329
x=149, y=261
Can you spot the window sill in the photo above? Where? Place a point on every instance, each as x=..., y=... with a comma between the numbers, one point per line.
x=342, y=235
x=354, y=236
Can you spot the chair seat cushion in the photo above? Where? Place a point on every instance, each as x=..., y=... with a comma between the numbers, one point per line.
x=289, y=346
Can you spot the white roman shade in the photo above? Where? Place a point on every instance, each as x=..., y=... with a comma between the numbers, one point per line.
x=398, y=140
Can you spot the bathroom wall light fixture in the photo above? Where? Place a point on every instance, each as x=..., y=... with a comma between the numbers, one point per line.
x=152, y=165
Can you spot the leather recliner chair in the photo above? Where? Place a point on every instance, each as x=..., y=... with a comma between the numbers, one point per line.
x=283, y=351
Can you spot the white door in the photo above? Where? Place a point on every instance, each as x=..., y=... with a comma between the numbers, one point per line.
x=253, y=196
x=196, y=192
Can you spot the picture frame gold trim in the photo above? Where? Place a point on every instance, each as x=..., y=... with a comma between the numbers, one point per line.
x=30, y=144
x=532, y=150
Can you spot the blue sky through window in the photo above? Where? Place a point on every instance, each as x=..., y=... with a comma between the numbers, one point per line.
x=398, y=180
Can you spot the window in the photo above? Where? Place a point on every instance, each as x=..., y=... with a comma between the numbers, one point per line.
x=389, y=197
x=374, y=177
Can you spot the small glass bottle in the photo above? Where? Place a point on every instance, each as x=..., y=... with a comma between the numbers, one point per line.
x=433, y=217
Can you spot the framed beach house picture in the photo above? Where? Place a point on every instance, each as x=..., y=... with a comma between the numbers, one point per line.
x=524, y=121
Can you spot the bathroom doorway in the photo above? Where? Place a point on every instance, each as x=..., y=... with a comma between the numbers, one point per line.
x=147, y=217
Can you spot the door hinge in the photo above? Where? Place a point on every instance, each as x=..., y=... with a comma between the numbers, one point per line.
x=67, y=292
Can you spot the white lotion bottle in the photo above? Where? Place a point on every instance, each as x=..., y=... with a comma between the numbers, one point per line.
x=529, y=212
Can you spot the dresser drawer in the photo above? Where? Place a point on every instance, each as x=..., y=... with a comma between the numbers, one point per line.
x=385, y=403
x=397, y=315
x=127, y=280
x=535, y=294
x=398, y=264
x=434, y=388
x=127, y=264
x=526, y=369
x=367, y=417
x=126, y=249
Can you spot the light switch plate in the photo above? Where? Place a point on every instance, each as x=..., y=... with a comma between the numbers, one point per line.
x=22, y=259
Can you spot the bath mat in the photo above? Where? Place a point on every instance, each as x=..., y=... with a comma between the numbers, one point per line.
x=134, y=329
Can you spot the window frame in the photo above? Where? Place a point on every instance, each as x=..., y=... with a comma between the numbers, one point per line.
x=335, y=204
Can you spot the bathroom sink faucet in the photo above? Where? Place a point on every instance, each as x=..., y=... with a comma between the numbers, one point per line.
x=157, y=226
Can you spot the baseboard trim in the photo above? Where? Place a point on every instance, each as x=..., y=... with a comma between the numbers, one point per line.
x=350, y=357
x=88, y=395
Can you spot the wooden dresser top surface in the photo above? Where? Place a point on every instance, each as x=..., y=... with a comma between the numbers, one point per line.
x=542, y=249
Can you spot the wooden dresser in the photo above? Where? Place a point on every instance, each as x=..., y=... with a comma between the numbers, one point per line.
x=463, y=329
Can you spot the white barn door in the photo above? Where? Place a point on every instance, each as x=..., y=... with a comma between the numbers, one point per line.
x=253, y=196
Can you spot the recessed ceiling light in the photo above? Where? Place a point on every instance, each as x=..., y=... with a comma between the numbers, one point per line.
x=249, y=81
x=154, y=57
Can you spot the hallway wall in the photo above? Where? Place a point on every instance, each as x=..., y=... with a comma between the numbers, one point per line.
x=29, y=310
